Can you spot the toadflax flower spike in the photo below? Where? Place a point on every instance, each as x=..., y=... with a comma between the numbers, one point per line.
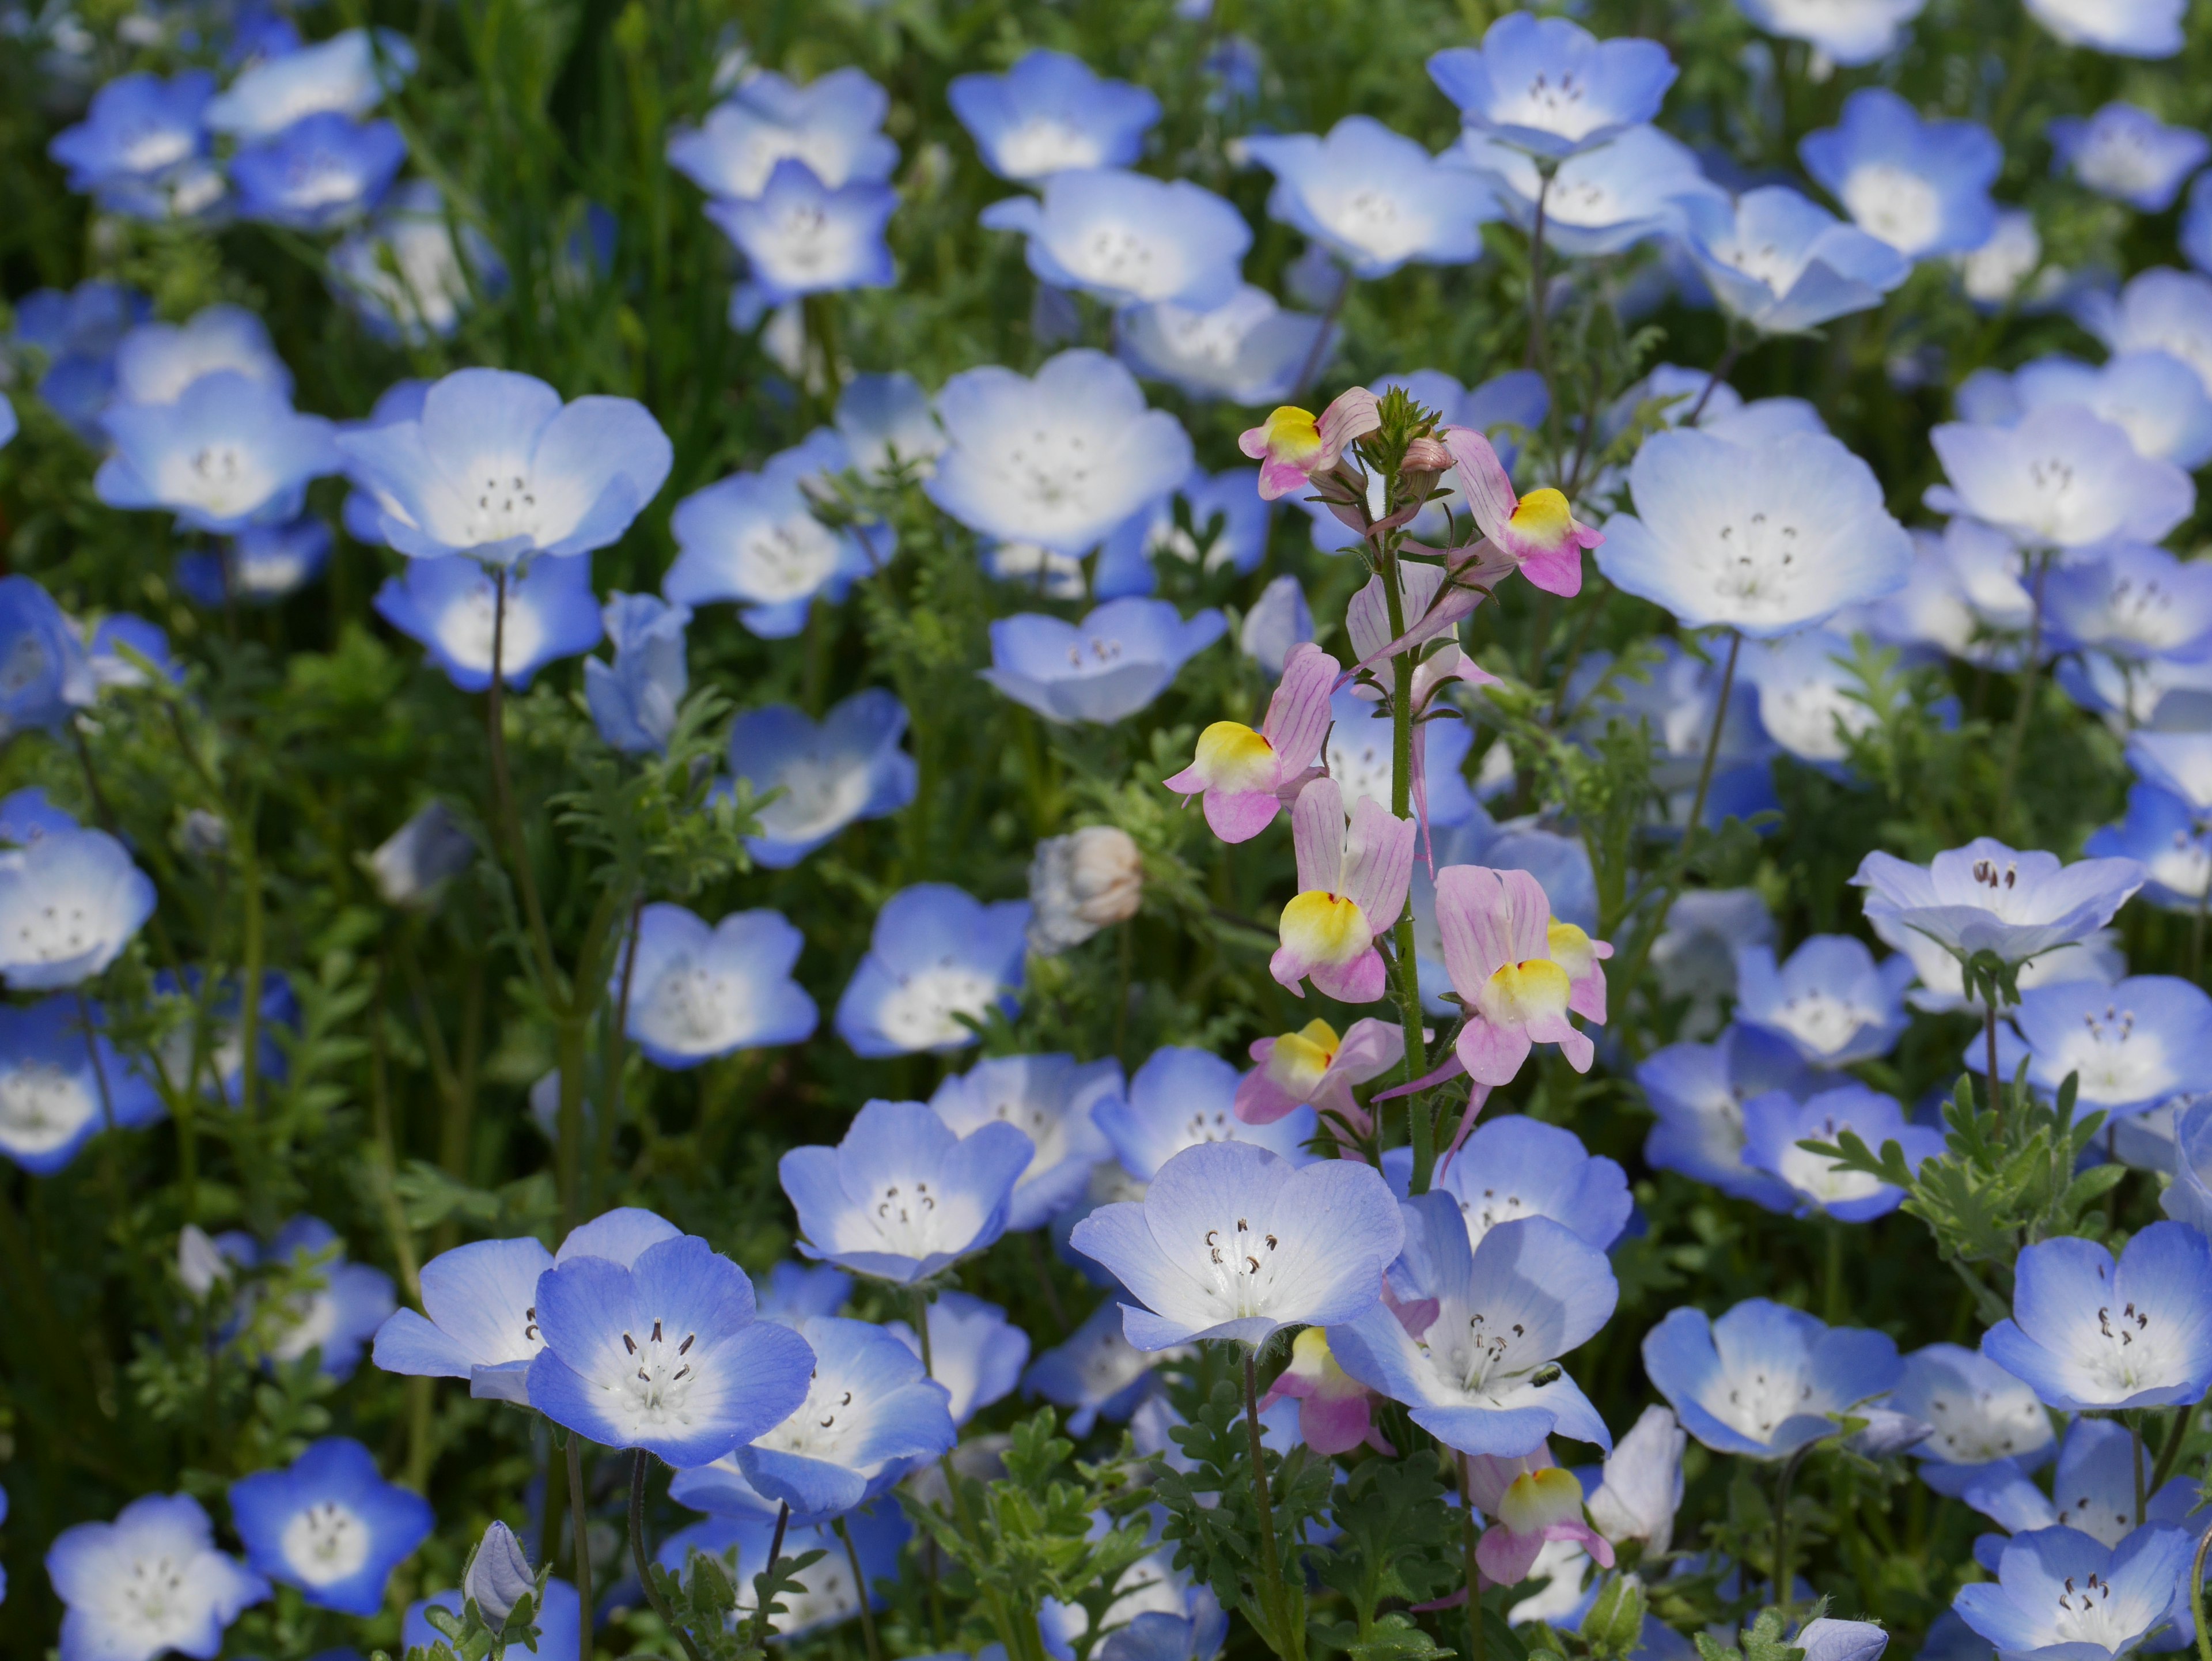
x=1351, y=886
x=1247, y=776
x=1539, y=530
x=1292, y=444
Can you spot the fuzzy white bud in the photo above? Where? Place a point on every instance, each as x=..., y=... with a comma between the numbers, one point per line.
x=1081, y=883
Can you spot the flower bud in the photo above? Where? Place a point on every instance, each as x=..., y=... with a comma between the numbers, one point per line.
x=499, y=1575
x=1425, y=455
x=1080, y=882
x=417, y=858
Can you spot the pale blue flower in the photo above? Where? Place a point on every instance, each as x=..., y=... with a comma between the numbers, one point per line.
x=1764, y=1380
x=223, y=1051
x=1111, y=665
x=848, y=767
x=1699, y=1092
x=2062, y=1595
x=1228, y=520
x=155, y=362
x=831, y=124
x=8, y=423
x=257, y=566
x=1247, y=350
x=938, y=960
x=1049, y=114
x=1784, y=265
x=1280, y=621
x=412, y=272
x=1126, y=239
x=2125, y=28
x=1673, y=699
x=1775, y=1123
x=2195, y=235
x=2060, y=478
x=2089, y=1334
x=46, y=672
x=451, y=607
x=69, y=902
x=1516, y=1166
x=1830, y=999
x=2169, y=839
x=1097, y=1373
x=1985, y=896
x=2132, y=1045
x=348, y=75
x=556, y=1619
x=346, y=1302
x=904, y=1196
x=2152, y=396
x=1921, y=186
x=633, y=700
x=2188, y=1198
x=1599, y=202
x=364, y=506
x=974, y=1351
x=326, y=170
x=886, y=423
x=795, y=1291
x=1373, y=197
x=1850, y=33
x=1050, y=1099
x=1981, y=1417
x=158, y=1539
x=1360, y=755
x=228, y=453
x=1811, y=700
x=826, y=1596
x=142, y=148
x=2159, y=310
x=1181, y=1097
x=2128, y=153
x=697, y=992
x=2132, y=601
x=76, y=334
x=800, y=236
x=328, y=1525
x=1548, y=86
x=61, y=1086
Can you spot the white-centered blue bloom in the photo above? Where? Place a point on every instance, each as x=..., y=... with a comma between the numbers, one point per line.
x=329, y=1525
x=556, y=1619
x=155, y=362
x=2152, y=396
x=831, y=124
x=1775, y=1123
x=2096, y=957
x=825, y=1595
x=2062, y=1595
x=795, y=1291
x=1061, y=460
x=1112, y=664
x=697, y=992
x=1980, y=1414
x=1811, y=700
x=1675, y=706
x=1766, y=539
x=974, y=1351
x=2128, y=153
x=335, y=1316
x=412, y=866
x=1601, y=201
x=2090, y=1334
x=904, y=1196
x=2125, y=28
x=1763, y=1380
x=1830, y=999
x=1232, y=1241
x=259, y=565
x=1228, y=523
x=451, y=606
x=2178, y=761
x=221, y=1057
x=2159, y=310
x=1097, y=1373
x=1373, y=197
x=1921, y=186
x=1516, y=1166
x=2132, y=1044
x=1985, y=896
x=229, y=453
x=142, y=148
x=1548, y=86
x=1846, y=32
x=800, y=236
x=69, y=902
x=148, y=1583
x=1468, y=1340
x=1784, y=265
x=497, y=467
x=326, y=170
x=1181, y=1097
x=753, y=538
x=74, y=335
x=45, y=671
x=887, y=424
x=414, y=269
x=663, y=1353
x=1051, y=113
x=2131, y=601
x=2195, y=235
x=633, y=700
x=2060, y=478
x=1050, y=1099
x=1248, y=350
x=1694, y=957
x=9, y=423
x=61, y=1086
x=2092, y=1489
x=847, y=767
x=1129, y=240
x=348, y=75
x=2168, y=838
x=938, y=960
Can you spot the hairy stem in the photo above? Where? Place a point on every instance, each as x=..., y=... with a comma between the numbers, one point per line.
x=1420, y=1123
x=502, y=790
x=2025, y=713
x=760, y=1589
x=583, y=1544
x=2196, y=1596
x=860, y=1585
x=1473, y=1574
x=1271, y=1564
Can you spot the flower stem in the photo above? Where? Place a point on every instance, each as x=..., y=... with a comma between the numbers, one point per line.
x=1989, y=1039
x=760, y=1592
x=644, y=1561
x=583, y=1545
x=1721, y=367
x=860, y=1583
x=1473, y=1574
x=502, y=789
x=2024, y=712
x=2196, y=1595
x=1783, y=1581
x=1420, y=1126
x=1318, y=352
x=919, y=1298
x=1271, y=1564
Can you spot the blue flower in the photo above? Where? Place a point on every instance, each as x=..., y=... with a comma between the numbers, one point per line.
x=1764, y=1380
x=1601, y=201
x=499, y=468
x=49, y=672
x=1278, y=623
x=2093, y=1489
x=60, y=1085
x=1516, y=1166
x=1549, y=88
x=364, y=508
x=77, y=333
x=1766, y=539
x=2061, y=1595
x=1856, y=33
x=753, y=538
x=1921, y=186
x=1784, y=265
x=1774, y=1124
x=141, y=147
x=2011, y=478
x=342, y=1309
x=259, y=566
x=70, y=903
x=1051, y=112
x=222, y=1053
x=451, y=607
x=800, y=236
x=328, y=1525
x=2129, y=155
x=1360, y=756
x=348, y=75
x=155, y=362
x=1181, y=1098
x=1981, y=1414
x=974, y=1352
x=1050, y=1099
x=412, y=866
x=556, y=1619
x=796, y=1291
x=2125, y=28
x=1248, y=350
x=846, y=767
x=1224, y=509
x=1986, y=898
x=118, y=641
x=2160, y=310
x=633, y=700
x=826, y=1594
x=2090, y=1334
x=831, y=124
x=8, y=423
x=1830, y=999
x=695, y=992
x=1111, y=665
x=1469, y=1342
x=1675, y=706
x=1374, y=197
x=229, y=453
x=1097, y=1373
x=2131, y=1045
x=2152, y=396
x=938, y=959
x=324, y=170
x=159, y=1540
x=410, y=274
x=1059, y=459
x=2132, y=601
x=2164, y=835
x=904, y=1196
x=1129, y=240
x=886, y=423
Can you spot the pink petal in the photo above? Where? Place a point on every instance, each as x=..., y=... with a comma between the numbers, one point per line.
x=1317, y=834
x=1416, y=1315
x=1352, y=414
x=1368, y=1049
x=1491, y=1055
x=1555, y=570
x=1471, y=908
x=1505, y=1557
x=1586, y=996
x=1289, y=969
x=1185, y=784
x=1334, y=1426
x=1252, y=441
x=1600, y=1548
x=1259, y=1100
x=1378, y=862
x=1297, y=714
x=1490, y=495
x=1530, y=917
x=1361, y=980
x=1452, y=1068
x=1278, y=478
x=1239, y=815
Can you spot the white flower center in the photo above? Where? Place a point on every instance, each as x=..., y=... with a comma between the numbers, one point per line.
x=921, y=1013
x=1552, y=103
x=787, y=560
x=1216, y=336
x=150, y=148
x=2085, y=1614
x=2116, y=1060
x=1241, y=1262
x=1123, y=256
x=1042, y=145
x=2116, y=160
x=2143, y=610
x=1094, y=654
x=325, y=1542
x=64, y=927
x=464, y=629
x=654, y=1387
x=805, y=241
x=321, y=180
x=152, y=1601
x=2185, y=866
x=1822, y=1021
x=1376, y=221
x=505, y=505
x=696, y=1001
x=826, y=1423
x=1821, y=1178
x=42, y=1108
x=1359, y=760
x=1763, y=262
x=221, y=478
x=1975, y=1426
x=1484, y=1351
x=1891, y=202
x=822, y=793
x=1757, y=1404
x=1485, y=1211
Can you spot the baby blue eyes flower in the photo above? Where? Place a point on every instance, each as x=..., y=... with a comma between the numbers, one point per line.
x=1847, y=32
x=2159, y=311
x=1278, y=623
x=59, y=1085
x=328, y=1525
x=8, y=423
x=1050, y=1099
x=633, y=700
x=1921, y=186
x=2062, y=1595
x=976, y=1353
x=497, y=467
x=1599, y=202
x=229, y=453
x=156, y=362
x=1768, y=539
x=2125, y=28
x=323, y=171
x=830, y=125
x=938, y=959
x=2133, y=1044
x=335, y=1317
x=76, y=334
x=1248, y=350
x=1182, y=1098
x=887, y=424
x=1810, y=696
x=2188, y=1198
x=346, y=75
x=69, y=902
x=2061, y=478
x=1986, y=898
x=1516, y=1166
x=1978, y=1414
x=904, y=1196
x=46, y=673
x=1231, y=1241
x=1359, y=755
x=2129, y=155
x=796, y=1291
x=1548, y=86
x=1096, y=1374
x=1374, y=197
x=1783, y=265
x=451, y=606
x=1061, y=460
x=847, y=767
x=1468, y=1340
x=1830, y=999
x=141, y=146
x=2154, y=397
x=826, y=1595
x=696, y=992
x=1129, y=240
x=1049, y=114
x=1775, y=1123
x=2091, y=1334
x=556, y=1619
x=2164, y=835
x=148, y=1583
x=1763, y=1380
x=1111, y=665
x=410, y=273
x=800, y=236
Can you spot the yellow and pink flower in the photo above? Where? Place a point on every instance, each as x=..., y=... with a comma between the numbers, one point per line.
x=1538, y=532
x=1351, y=886
x=1292, y=445
x=1247, y=776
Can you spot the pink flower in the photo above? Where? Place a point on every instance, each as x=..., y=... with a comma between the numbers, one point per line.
x=1539, y=530
x=1518, y=973
x=1433, y=600
x=1532, y=1501
x=1334, y=1416
x=1351, y=887
x=1247, y=776
x=1291, y=446
x=1314, y=1065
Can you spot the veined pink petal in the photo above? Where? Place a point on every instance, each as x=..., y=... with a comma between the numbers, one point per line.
x=1259, y=1100
x=1490, y=495
x=1491, y=1055
x=1378, y=861
x=1474, y=919
x=1351, y=416
x=1557, y=570
x=1586, y=996
x=1332, y=1425
x=1369, y=1049
x=1505, y=1557
x=1288, y=968
x=1488, y=1475
x=1297, y=714
x=1317, y=836
x=1278, y=478
x=1361, y=980
x=1474, y=1105
x=1240, y=815
x=1453, y=1068
x=1472, y=573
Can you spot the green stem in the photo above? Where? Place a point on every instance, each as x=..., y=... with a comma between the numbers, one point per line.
x=918, y=1303
x=1421, y=1122
x=860, y=1585
x=583, y=1543
x=639, y=1555
x=1473, y=1573
x=1989, y=1040
x=502, y=789
x=2017, y=744
x=1280, y=1640
x=760, y=1589
x=256, y=949
x=2196, y=1596
x=1783, y=1581
x=2169, y=1452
